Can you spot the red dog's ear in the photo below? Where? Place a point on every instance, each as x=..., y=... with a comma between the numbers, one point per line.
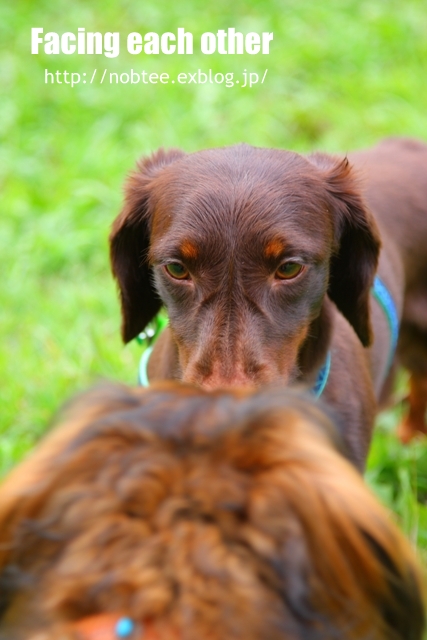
x=354, y=263
x=129, y=244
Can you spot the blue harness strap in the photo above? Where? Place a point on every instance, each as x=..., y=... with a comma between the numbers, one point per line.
x=322, y=377
x=386, y=302
x=383, y=297
x=380, y=293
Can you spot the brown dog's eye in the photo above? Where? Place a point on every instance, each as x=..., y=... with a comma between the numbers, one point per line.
x=177, y=270
x=289, y=270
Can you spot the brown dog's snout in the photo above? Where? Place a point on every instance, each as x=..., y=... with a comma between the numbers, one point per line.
x=248, y=364
x=214, y=368
x=246, y=357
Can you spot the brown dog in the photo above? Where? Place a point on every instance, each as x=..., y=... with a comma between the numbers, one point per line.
x=265, y=260
x=176, y=514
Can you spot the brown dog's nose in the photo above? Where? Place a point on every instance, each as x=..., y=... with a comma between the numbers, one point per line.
x=213, y=382
x=226, y=375
x=217, y=380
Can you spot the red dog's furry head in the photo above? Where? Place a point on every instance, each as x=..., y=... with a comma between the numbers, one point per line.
x=201, y=516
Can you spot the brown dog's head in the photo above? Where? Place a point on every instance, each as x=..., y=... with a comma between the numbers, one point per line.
x=201, y=516
x=243, y=246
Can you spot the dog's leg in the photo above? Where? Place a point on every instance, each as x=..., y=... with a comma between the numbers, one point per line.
x=415, y=422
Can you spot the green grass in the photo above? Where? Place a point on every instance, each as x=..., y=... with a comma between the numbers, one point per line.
x=398, y=475
x=341, y=75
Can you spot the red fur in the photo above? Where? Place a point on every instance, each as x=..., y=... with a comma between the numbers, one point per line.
x=201, y=516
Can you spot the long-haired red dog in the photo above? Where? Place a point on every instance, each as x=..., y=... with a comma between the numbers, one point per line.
x=173, y=514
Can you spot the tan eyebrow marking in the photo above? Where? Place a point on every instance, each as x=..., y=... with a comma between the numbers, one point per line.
x=274, y=248
x=189, y=250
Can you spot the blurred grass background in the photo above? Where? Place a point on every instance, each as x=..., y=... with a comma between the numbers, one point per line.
x=341, y=75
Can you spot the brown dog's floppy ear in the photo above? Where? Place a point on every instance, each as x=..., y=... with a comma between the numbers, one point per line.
x=354, y=263
x=129, y=244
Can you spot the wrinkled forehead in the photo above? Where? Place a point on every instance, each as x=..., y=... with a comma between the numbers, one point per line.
x=237, y=193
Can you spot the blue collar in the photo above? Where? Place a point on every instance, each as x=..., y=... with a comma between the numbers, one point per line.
x=142, y=369
x=380, y=293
